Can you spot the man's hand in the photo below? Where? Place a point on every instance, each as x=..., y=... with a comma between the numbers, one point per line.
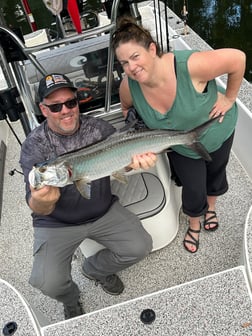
x=143, y=161
x=43, y=200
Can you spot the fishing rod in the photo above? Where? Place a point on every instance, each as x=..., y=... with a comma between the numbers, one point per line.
x=184, y=16
x=160, y=26
x=29, y=15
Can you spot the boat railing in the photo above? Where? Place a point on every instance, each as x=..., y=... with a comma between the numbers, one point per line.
x=34, y=59
x=14, y=68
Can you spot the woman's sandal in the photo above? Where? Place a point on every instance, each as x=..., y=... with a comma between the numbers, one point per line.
x=209, y=221
x=193, y=240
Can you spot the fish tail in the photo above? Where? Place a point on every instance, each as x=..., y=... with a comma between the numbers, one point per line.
x=197, y=145
x=198, y=148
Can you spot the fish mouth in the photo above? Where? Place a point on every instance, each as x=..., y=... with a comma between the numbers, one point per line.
x=50, y=175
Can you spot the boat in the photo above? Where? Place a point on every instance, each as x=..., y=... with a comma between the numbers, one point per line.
x=170, y=292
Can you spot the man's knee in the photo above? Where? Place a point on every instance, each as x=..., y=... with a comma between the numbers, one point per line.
x=142, y=246
x=51, y=285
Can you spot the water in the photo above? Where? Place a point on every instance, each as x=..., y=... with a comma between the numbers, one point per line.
x=221, y=24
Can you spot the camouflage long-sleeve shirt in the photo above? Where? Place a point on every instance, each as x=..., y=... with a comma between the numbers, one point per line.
x=71, y=209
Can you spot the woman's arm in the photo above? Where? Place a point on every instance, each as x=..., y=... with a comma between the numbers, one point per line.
x=207, y=65
x=144, y=160
x=125, y=96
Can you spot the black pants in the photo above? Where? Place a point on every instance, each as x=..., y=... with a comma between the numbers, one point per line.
x=200, y=178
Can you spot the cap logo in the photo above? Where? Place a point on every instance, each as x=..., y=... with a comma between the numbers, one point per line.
x=55, y=79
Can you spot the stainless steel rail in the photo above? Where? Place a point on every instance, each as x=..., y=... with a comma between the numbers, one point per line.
x=28, y=52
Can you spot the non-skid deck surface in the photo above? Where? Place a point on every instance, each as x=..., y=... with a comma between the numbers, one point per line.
x=183, y=310
x=170, y=266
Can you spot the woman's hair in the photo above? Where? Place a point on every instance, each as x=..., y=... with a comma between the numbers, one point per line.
x=128, y=30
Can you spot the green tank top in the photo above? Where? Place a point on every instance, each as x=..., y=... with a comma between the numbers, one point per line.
x=190, y=109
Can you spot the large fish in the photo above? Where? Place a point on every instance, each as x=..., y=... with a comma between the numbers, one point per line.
x=109, y=157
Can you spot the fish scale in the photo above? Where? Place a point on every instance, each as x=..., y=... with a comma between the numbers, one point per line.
x=119, y=154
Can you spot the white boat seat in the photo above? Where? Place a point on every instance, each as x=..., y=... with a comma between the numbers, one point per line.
x=143, y=194
x=154, y=198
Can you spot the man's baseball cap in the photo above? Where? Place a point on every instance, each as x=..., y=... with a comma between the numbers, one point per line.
x=53, y=82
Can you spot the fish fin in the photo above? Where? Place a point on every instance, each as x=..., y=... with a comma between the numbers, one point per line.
x=197, y=145
x=120, y=176
x=201, y=150
x=84, y=188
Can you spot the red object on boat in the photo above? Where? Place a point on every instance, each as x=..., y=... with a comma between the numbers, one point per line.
x=29, y=15
x=73, y=11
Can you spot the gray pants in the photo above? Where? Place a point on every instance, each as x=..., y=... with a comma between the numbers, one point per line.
x=120, y=231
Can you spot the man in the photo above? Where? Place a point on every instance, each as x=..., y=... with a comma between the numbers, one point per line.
x=62, y=218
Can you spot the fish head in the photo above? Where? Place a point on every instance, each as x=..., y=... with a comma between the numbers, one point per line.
x=57, y=175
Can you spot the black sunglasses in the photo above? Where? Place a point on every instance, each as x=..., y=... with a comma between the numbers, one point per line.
x=58, y=107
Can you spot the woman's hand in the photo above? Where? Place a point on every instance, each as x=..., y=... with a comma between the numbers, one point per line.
x=143, y=161
x=221, y=106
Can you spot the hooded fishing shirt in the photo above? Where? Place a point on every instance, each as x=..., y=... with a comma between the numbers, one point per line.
x=190, y=109
x=43, y=144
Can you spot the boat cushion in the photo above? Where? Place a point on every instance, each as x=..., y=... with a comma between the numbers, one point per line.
x=143, y=194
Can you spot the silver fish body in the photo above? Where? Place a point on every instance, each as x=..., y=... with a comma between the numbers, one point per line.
x=110, y=156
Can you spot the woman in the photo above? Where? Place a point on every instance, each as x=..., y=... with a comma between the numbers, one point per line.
x=177, y=90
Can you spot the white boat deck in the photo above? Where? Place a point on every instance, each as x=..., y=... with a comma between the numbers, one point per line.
x=171, y=266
